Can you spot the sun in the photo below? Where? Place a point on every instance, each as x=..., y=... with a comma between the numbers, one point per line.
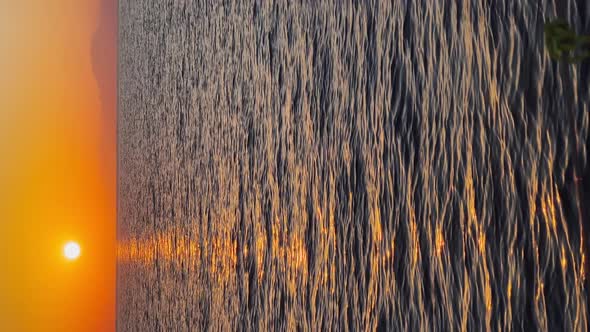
x=72, y=250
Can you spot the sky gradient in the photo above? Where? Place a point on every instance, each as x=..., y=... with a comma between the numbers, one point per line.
x=57, y=175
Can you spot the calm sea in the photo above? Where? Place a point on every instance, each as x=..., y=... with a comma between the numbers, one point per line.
x=351, y=165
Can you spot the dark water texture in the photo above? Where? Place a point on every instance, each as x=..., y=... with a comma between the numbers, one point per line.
x=350, y=165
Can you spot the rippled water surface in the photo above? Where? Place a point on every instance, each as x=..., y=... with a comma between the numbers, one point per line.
x=350, y=165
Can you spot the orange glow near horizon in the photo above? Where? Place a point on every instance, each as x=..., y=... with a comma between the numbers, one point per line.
x=57, y=175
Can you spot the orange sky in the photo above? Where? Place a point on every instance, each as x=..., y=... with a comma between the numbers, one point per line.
x=57, y=166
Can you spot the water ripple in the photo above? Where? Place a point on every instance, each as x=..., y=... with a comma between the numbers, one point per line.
x=409, y=165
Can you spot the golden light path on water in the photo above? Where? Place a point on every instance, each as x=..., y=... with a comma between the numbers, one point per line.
x=217, y=254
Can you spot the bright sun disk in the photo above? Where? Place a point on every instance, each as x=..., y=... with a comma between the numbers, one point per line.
x=72, y=250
